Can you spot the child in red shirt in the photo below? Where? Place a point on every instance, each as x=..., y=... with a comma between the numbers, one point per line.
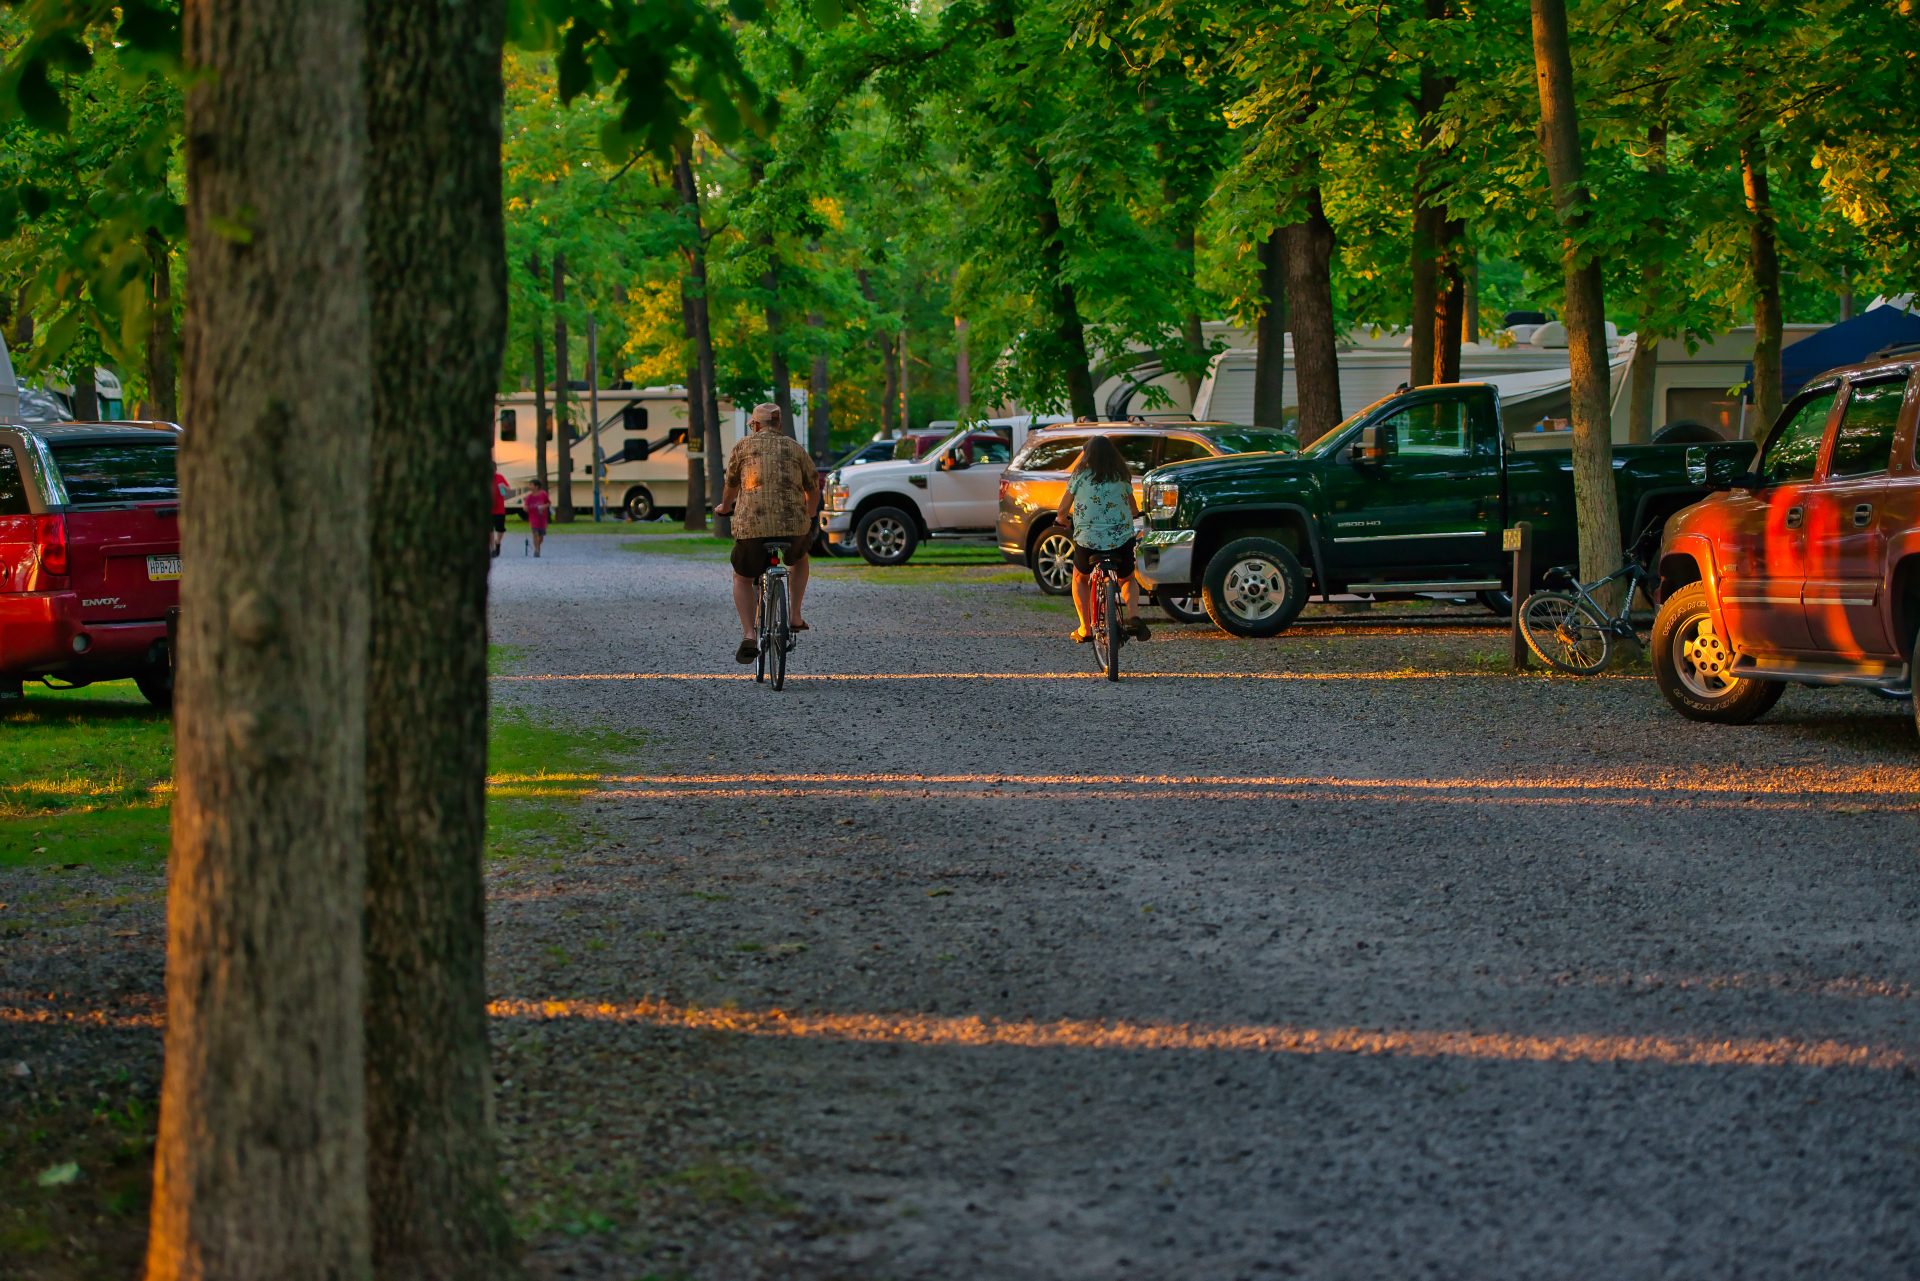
x=538, y=506
x=499, y=519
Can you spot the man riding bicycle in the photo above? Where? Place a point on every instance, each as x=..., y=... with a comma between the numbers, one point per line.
x=772, y=492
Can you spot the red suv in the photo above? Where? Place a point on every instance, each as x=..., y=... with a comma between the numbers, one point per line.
x=89, y=554
x=1806, y=571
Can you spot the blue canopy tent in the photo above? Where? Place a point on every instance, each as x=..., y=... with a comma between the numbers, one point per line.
x=1846, y=343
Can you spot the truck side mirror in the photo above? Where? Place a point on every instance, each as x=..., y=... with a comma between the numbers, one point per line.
x=1370, y=449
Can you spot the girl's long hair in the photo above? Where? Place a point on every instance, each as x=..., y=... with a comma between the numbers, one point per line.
x=1102, y=462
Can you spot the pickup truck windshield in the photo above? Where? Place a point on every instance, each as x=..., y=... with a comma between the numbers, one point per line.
x=1327, y=443
x=105, y=473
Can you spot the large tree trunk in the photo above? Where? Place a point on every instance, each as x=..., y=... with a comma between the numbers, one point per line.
x=1316, y=355
x=1062, y=302
x=1439, y=291
x=162, y=374
x=1596, y=505
x=1270, y=335
x=260, y=1166
x=696, y=514
x=1764, y=262
x=562, y=398
x=434, y=234
x=709, y=418
x=542, y=431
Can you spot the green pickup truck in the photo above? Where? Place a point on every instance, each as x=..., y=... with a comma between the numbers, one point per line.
x=1409, y=495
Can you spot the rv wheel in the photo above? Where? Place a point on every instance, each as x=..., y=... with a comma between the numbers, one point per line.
x=639, y=504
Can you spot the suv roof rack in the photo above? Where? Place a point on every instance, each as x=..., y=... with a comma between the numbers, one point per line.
x=1897, y=349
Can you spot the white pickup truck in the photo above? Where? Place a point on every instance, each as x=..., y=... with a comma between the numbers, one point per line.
x=885, y=510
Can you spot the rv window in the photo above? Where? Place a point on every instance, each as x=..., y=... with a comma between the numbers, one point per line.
x=13, y=489
x=1714, y=407
x=509, y=425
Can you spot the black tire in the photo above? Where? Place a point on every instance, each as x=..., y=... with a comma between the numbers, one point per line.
x=639, y=504
x=1498, y=601
x=778, y=637
x=1254, y=587
x=760, y=636
x=1185, y=606
x=1112, y=634
x=1564, y=633
x=156, y=687
x=886, y=536
x=1687, y=432
x=1690, y=664
x=1052, y=561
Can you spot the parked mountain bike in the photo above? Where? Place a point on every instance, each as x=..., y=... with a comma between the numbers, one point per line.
x=777, y=638
x=1108, y=626
x=1570, y=629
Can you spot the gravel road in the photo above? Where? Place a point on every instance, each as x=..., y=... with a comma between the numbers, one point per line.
x=1346, y=955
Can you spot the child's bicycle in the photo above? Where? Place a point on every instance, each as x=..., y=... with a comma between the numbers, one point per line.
x=1570, y=630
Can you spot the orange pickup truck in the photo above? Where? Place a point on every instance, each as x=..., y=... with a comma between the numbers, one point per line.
x=1806, y=571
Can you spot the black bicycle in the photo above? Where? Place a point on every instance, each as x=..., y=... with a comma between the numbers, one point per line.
x=1570, y=629
x=776, y=635
x=1108, y=627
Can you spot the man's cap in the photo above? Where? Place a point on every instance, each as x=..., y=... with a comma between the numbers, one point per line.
x=765, y=412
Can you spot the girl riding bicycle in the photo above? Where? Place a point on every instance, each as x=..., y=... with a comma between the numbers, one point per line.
x=1099, y=508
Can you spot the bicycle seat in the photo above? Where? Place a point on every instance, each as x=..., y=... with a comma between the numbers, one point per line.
x=777, y=546
x=1559, y=574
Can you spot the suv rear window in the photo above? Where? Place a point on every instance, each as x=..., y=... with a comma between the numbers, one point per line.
x=103, y=473
x=13, y=488
x=1051, y=455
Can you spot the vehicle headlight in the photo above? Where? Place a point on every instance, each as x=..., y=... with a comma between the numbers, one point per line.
x=1163, y=496
x=836, y=497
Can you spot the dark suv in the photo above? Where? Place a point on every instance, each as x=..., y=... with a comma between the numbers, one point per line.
x=89, y=554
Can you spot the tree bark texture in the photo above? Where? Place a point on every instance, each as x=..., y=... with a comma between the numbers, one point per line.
x=1193, y=334
x=163, y=401
x=890, y=386
x=260, y=1165
x=1596, y=505
x=1270, y=335
x=819, y=420
x=696, y=513
x=437, y=278
x=1316, y=357
x=1439, y=289
x=1645, y=362
x=86, y=395
x=709, y=418
x=562, y=398
x=962, y=365
x=1764, y=263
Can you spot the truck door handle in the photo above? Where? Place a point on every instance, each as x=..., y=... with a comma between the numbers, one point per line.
x=1795, y=517
x=1862, y=515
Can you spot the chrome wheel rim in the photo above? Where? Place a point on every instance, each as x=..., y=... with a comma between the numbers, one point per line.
x=1701, y=658
x=1190, y=605
x=1255, y=589
x=640, y=507
x=1053, y=562
x=886, y=537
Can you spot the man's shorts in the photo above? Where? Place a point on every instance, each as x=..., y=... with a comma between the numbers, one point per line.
x=1085, y=558
x=499, y=522
x=750, y=554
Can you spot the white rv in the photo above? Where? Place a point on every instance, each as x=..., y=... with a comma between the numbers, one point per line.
x=9, y=386
x=643, y=438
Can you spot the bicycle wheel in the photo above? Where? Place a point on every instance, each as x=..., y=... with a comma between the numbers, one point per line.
x=1115, y=636
x=779, y=636
x=1564, y=632
x=1097, y=617
x=760, y=630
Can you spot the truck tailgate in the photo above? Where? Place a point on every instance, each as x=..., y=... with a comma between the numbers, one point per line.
x=125, y=562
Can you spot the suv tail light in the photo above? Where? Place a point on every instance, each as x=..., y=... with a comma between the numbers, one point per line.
x=50, y=543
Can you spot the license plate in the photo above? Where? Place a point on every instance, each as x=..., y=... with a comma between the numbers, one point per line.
x=161, y=569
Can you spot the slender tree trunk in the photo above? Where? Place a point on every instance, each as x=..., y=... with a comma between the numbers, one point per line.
x=86, y=395
x=562, y=398
x=1062, y=301
x=1764, y=262
x=1316, y=355
x=1439, y=294
x=696, y=514
x=906, y=380
x=1470, y=301
x=1596, y=505
x=1193, y=334
x=541, y=430
x=819, y=420
x=260, y=1166
x=434, y=233
x=162, y=374
x=890, y=388
x=1645, y=364
x=1270, y=335
x=703, y=340
x=962, y=365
